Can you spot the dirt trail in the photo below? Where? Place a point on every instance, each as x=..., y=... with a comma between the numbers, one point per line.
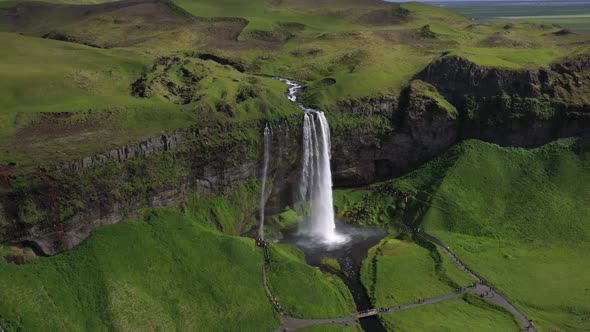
x=482, y=288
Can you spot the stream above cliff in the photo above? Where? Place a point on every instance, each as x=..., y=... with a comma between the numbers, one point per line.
x=321, y=237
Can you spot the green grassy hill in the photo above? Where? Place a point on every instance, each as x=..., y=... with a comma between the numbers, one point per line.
x=402, y=272
x=60, y=100
x=167, y=272
x=344, y=51
x=517, y=217
x=520, y=218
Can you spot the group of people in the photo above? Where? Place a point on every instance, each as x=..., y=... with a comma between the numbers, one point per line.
x=264, y=245
x=488, y=293
x=261, y=243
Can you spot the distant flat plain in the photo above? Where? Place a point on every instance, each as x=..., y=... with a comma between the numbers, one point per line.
x=573, y=15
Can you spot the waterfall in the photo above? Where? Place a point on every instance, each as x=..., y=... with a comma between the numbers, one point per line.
x=267, y=144
x=315, y=187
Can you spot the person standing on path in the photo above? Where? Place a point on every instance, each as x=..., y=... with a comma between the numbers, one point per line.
x=531, y=326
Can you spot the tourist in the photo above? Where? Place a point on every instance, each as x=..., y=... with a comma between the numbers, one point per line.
x=531, y=325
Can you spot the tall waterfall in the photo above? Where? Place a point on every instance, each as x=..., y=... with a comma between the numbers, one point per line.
x=316, y=178
x=267, y=144
x=315, y=187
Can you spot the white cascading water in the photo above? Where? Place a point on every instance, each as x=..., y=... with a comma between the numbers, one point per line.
x=315, y=186
x=267, y=144
x=316, y=179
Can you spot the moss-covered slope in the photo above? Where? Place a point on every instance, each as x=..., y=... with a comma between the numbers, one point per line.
x=517, y=217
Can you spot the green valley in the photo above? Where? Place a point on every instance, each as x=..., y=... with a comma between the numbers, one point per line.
x=334, y=165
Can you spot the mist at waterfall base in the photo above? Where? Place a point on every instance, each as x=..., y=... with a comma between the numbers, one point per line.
x=350, y=256
x=315, y=186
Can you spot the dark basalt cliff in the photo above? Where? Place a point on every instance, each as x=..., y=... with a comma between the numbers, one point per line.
x=422, y=128
x=451, y=100
x=525, y=108
x=56, y=208
x=454, y=99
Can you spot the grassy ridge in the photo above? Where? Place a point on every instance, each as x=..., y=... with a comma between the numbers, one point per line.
x=93, y=86
x=137, y=275
x=304, y=291
x=166, y=272
x=517, y=217
x=400, y=272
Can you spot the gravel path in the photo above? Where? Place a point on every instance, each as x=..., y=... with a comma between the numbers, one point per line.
x=482, y=289
x=484, y=286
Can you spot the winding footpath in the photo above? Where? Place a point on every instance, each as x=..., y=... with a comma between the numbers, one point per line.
x=482, y=289
x=484, y=286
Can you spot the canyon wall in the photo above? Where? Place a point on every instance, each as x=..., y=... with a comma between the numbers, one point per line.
x=454, y=99
x=450, y=100
x=57, y=207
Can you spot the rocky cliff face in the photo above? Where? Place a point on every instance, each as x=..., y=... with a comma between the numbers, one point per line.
x=524, y=108
x=454, y=99
x=56, y=208
x=422, y=128
x=566, y=80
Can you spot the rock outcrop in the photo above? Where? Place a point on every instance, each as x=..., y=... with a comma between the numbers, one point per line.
x=423, y=127
x=455, y=99
x=451, y=100
x=567, y=80
x=56, y=208
x=524, y=107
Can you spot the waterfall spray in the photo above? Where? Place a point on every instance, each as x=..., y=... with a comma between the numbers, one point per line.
x=267, y=143
x=316, y=179
x=315, y=186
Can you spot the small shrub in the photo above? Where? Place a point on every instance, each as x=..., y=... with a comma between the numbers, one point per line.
x=426, y=32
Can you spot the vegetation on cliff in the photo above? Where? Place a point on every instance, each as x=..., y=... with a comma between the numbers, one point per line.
x=166, y=271
x=517, y=217
x=68, y=109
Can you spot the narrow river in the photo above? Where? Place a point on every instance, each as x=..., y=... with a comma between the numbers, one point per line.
x=349, y=254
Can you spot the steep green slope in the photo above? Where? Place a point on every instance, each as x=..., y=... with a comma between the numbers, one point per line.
x=60, y=101
x=517, y=217
x=136, y=275
x=166, y=272
x=402, y=272
x=520, y=218
x=304, y=291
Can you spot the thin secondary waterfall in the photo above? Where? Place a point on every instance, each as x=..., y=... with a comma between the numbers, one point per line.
x=315, y=187
x=267, y=144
